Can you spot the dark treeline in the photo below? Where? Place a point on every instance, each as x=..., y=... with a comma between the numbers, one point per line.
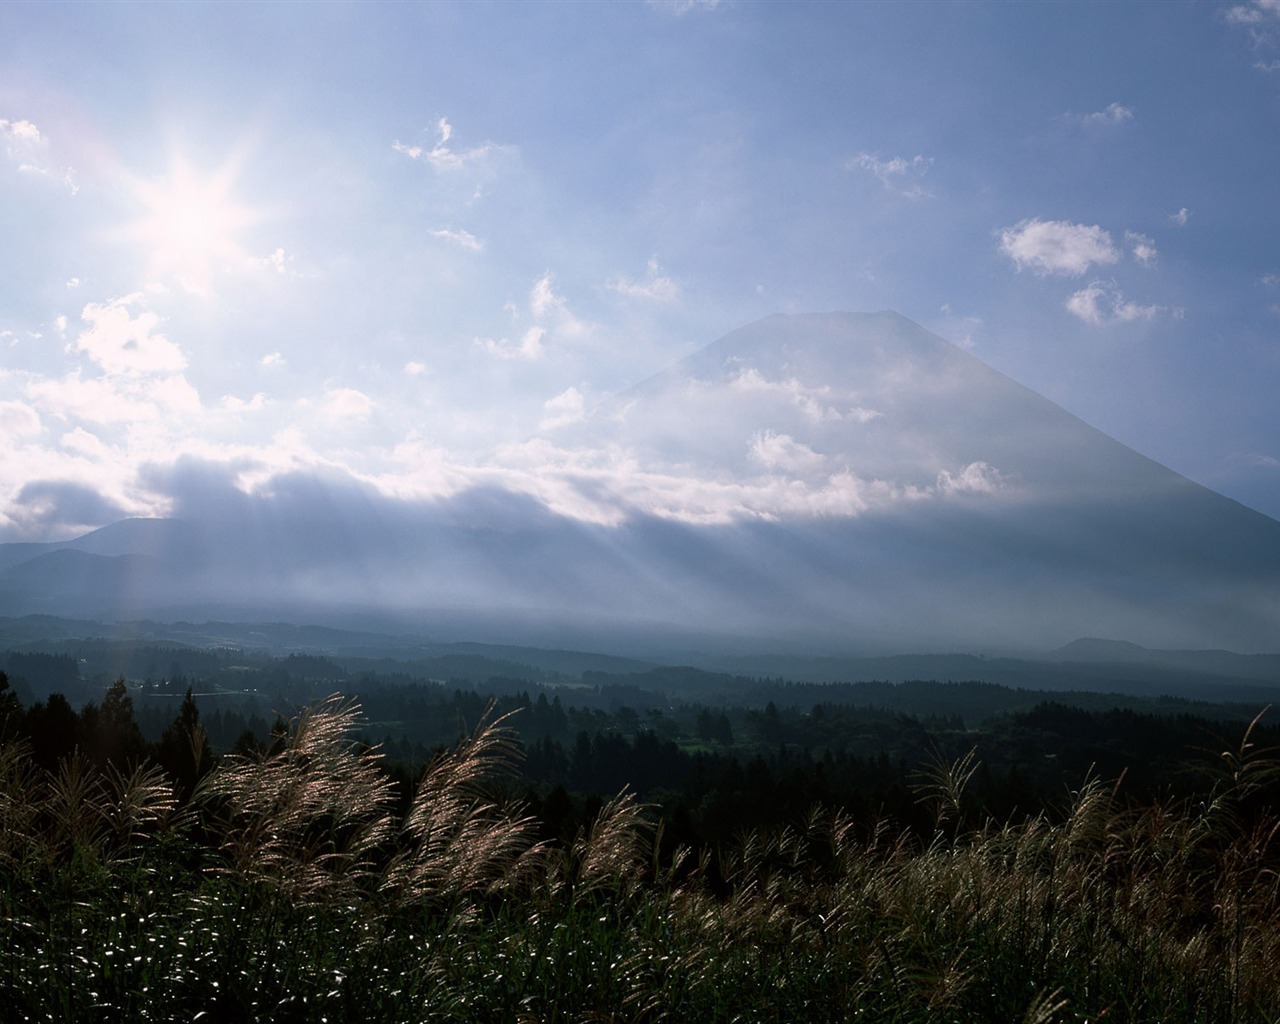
x=709, y=768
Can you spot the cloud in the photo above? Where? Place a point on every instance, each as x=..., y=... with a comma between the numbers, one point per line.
x=413, y=368
x=1057, y=246
x=19, y=133
x=898, y=174
x=654, y=287
x=680, y=8
x=1114, y=113
x=564, y=409
x=548, y=315
x=27, y=148
x=464, y=239
x=17, y=419
x=1101, y=303
x=1255, y=13
x=776, y=451
x=609, y=486
x=543, y=301
x=1142, y=248
x=124, y=344
x=278, y=261
x=348, y=404
x=64, y=503
x=975, y=478
x=1261, y=19
x=548, y=306
x=237, y=404
x=84, y=443
x=1181, y=217
x=1267, y=66
x=813, y=402
x=529, y=347
x=442, y=157
x=272, y=359
x=1256, y=460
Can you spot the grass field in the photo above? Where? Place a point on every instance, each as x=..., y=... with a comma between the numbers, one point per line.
x=295, y=886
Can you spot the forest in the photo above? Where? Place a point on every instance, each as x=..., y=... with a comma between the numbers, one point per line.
x=240, y=837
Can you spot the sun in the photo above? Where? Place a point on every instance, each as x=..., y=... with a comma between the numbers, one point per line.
x=190, y=226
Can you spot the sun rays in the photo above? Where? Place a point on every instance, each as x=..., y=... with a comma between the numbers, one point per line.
x=191, y=225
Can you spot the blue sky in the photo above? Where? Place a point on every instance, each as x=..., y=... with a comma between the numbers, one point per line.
x=402, y=242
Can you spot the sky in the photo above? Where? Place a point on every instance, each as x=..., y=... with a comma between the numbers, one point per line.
x=408, y=244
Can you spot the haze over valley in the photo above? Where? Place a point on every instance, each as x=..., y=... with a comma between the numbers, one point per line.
x=830, y=483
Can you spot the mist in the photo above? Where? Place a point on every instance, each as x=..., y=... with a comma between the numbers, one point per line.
x=835, y=484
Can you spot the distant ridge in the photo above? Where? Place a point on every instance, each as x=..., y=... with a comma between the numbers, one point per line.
x=1096, y=649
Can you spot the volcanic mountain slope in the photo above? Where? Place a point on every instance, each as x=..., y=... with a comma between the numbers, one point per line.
x=827, y=482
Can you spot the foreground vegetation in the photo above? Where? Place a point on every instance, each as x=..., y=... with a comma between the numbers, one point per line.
x=300, y=882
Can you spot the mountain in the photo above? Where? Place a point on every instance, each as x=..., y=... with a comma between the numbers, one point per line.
x=830, y=483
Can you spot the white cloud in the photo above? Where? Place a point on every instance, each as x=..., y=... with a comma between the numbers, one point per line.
x=550, y=316
x=1143, y=248
x=1102, y=303
x=654, y=287
x=237, y=404
x=815, y=403
x=272, y=359
x=464, y=239
x=20, y=133
x=529, y=347
x=1254, y=13
x=17, y=419
x=607, y=485
x=125, y=344
x=682, y=7
x=23, y=144
x=125, y=400
x=543, y=301
x=898, y=174
x=1057, y=246
x=84, y=443
x=277, y=260
x=1114, y=113
x=1181, y=217
x=73, y=282
x=348, y=404
x=564, y=409
x=975, y=478
x=26, y=147
x=175, y=395
x=413, y=368
x=783, y=452
x=444, y=158
x=1261, y=19
x=547, y=306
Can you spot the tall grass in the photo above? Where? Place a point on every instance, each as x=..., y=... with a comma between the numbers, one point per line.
x=300, y=886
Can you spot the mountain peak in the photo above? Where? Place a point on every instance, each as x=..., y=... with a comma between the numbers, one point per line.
x=830, y=482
